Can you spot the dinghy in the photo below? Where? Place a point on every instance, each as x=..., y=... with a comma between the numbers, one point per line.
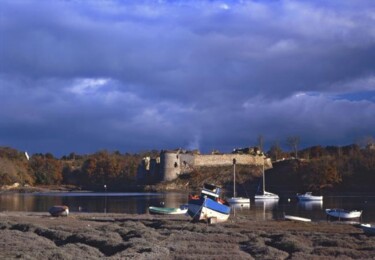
x=342, y=214
x=368, y=229
x=168, y=211
x=59, y=211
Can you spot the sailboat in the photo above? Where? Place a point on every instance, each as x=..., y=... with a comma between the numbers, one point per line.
x=234, y=199
x=265, y=195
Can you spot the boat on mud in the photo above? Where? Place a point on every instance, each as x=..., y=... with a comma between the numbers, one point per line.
x=296, y=218
x=209, y=206
x=168, y=211
x=59, y=211
x=368, y=229
x=342, y=214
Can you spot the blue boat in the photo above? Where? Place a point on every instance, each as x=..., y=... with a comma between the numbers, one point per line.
x=208, y=206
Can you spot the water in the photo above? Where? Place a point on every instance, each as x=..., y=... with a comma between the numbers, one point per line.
x=138, y=203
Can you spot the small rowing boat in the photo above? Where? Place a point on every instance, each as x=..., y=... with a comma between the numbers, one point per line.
x=368, y=229
x=342, y=214
x=59, y=211
x=168, y=211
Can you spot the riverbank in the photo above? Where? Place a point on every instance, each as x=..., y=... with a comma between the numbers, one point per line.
x=33, y=235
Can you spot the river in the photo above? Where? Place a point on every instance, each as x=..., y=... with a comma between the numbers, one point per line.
x=138, y=203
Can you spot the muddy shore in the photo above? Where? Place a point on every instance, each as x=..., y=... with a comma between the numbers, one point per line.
x=30, y=235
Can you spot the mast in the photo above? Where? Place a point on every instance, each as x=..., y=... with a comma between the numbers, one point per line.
x=234, y=178
x=264, y=185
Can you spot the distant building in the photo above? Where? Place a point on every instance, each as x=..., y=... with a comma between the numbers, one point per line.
x=173, y=163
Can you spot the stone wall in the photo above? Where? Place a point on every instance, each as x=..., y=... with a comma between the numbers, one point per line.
x=227, y=159
x=174, y=163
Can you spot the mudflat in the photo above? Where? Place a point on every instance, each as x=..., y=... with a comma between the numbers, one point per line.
x=29, y=235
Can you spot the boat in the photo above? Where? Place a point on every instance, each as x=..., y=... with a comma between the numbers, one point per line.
x=342, y=214
x=368, y=229
x=168, y=211
x=309, y=197
x=208, y=206
x=265, y=195
x=295, y=218
x=234, y=199
x=59, y=211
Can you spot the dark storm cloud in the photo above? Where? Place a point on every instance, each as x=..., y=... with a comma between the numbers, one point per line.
x=132, y=75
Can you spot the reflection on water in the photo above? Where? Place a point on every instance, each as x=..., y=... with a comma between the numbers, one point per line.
x=311, y=205
x=138, y=203
x=265, y=209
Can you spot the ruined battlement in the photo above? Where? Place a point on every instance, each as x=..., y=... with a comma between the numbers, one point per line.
x=172, y=163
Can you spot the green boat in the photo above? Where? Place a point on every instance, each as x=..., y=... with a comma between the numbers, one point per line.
x=168, y=211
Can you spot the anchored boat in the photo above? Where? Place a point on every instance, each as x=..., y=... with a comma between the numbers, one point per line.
x=235, y=199
x=309, y=197
x=208, y=205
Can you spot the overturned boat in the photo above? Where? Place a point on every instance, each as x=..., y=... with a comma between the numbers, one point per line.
x=208, y=206
x=59, y=211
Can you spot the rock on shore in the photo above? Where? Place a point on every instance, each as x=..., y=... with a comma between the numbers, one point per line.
x=123, y=236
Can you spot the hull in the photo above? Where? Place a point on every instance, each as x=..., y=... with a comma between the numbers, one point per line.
x=208, y=209
x=343, y=214
x=368, y=229
x=289, y=217
x=59, y=211
x=239, y=200
x=309, y=197
x=166, y=211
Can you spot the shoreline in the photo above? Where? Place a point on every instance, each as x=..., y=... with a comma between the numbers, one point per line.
x=36, y=235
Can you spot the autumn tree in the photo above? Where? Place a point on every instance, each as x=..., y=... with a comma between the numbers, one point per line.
x=46, y=169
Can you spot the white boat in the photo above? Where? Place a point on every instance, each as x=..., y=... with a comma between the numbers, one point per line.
x=208, y=206
x=309, y=197
x=342, y=214
x=265, y=195
x=168, y=211
x=295, y=218
x=368, y=229
x=234, y=199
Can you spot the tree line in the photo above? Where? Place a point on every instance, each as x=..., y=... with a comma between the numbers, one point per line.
x=313, y=168
x=115, y=170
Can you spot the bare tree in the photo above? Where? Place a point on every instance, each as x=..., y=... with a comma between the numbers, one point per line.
x=276, y=151
x=293, y=142
x=260, y=142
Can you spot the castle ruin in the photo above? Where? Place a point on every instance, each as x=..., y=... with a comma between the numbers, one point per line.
x=173, y=163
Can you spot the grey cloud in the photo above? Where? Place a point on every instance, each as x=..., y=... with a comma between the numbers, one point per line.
x=178, y=73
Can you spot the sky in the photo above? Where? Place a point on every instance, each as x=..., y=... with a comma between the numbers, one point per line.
x=129, y=76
